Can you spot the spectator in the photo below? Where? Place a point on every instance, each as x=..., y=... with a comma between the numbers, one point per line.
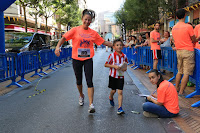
x=165, y=103
x=197, y=34
x=183, y=35
x=134, y=38
x=140, y=41
x=147, y=41
x=129, y=42
x=155, y=44
x=166, y=40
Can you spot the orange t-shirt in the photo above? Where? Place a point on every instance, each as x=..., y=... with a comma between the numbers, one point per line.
x=197, y=34
x=156, y=36
x=167, y=95
x=182, y=33
x=82, y=42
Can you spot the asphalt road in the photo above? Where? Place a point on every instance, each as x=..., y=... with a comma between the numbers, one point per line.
x=57, y=110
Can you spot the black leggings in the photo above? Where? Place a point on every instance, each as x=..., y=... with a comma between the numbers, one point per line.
x=88, y=69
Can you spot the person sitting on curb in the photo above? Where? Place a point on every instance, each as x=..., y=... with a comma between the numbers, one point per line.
x=165, y=104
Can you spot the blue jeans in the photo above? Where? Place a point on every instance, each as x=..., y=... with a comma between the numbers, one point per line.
x=161, y=111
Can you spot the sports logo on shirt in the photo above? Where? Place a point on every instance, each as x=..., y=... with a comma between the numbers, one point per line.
x=85, y=43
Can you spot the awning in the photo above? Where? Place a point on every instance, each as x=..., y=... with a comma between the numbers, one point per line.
x=13, y=27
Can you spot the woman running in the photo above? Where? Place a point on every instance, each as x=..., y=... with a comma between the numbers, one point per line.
x=82, y=52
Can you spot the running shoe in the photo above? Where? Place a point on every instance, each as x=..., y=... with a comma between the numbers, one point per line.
x=111, y=102
x=120, y=111
x=91, y=109
x=81, y=100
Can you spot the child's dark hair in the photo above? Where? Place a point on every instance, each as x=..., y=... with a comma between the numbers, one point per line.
x=157, y=73
x=117, y=40
x=89, y=12
x=180, y=13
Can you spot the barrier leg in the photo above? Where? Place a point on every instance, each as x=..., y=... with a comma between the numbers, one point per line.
x=197, y=104
x=193, y=94
x=148, y=71
x=136, y=67
x=14, y=83
x=42, y=72
x=54, y=66
x=133, y=66
x=172, y=78
x=50, y=67
x=36, y=74
x=23, y=80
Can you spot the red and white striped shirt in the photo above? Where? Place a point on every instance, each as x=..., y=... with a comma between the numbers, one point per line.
x=116, y=59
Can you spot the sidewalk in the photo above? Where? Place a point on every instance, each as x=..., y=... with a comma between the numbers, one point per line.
x=189, y=117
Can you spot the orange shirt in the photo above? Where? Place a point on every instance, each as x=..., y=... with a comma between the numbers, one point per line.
x=197, y=34
x=156, y=36
x=82, y=42
x=182, y=33
x=167, y=95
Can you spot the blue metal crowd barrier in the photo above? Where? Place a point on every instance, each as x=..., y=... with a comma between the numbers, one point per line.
x=168, y=62
x=45, y=59
x=13, y=65
x=195, y=78
x=28, y=62
x=9, y=68
x=144, y=56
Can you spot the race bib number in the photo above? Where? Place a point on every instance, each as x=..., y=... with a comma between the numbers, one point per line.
x=83, y=52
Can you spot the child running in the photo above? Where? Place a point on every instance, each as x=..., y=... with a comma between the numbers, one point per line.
x=117, y=62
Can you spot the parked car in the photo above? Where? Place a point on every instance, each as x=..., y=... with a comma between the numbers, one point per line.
x=20, y=42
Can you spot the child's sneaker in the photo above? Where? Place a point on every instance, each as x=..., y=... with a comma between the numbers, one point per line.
x=111, y=102
x=91, y=109
x=81, y=100
x=120, y=111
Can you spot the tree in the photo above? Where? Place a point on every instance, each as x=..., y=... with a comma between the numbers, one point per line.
x=24, y=4
x=137, y=13
x=50, y=7
x=70, y=14
x=35, y=11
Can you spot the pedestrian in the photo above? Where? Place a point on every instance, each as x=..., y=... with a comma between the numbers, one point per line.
x=107, y=46
x=183, y=35
x=117, y=64
x=95, y=45
x=165, y=104
x=155, y=44
x=166, y=40
x=197, y=34
x=82, y=52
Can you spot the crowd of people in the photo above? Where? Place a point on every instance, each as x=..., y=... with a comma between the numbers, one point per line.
x=164, y=103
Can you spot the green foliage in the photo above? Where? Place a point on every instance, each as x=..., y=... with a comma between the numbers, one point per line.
x=69, y=14
x=136, y=13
